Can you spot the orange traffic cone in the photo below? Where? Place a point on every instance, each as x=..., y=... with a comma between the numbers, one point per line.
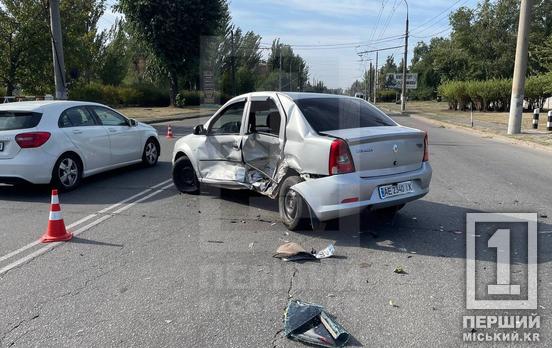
x=56, y=231
x=169, y=133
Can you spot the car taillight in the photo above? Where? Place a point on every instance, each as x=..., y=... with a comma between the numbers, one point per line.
x=426, y=148
x=31, y=140
x=341, y=161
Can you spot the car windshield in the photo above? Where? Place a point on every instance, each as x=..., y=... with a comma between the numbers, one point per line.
x=11, y=120
x=325, y=114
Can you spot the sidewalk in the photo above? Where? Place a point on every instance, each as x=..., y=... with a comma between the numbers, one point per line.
x=490, y=123
x=164, y=114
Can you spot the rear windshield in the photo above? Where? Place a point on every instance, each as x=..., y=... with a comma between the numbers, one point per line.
x=10, y=120
x=326, y=114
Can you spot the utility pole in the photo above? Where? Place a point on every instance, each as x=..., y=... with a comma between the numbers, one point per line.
x=233, y=62
x=376, y=77
x=57, y=50
x=280, y=71
x=520, y=68
x=370, y=82
x=291, y=90
x=403, y=89
x=366, y=76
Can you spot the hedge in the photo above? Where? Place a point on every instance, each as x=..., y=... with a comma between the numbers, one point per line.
x=494, y=94
x=136, y=95
x=387, y=95
x=194, y=98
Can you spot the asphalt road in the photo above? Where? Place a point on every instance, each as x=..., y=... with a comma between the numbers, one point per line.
x=171, y=270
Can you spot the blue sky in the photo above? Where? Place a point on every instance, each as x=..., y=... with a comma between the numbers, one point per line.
x=350, y=25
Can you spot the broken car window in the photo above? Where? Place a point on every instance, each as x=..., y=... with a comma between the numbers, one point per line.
x=229, y=121
x=326, y=114
x=264, y=117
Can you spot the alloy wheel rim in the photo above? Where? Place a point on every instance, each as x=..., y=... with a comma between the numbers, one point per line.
x=68, y=172
x=151, y=153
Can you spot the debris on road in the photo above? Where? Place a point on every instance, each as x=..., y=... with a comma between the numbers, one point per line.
x=215, y=241
x=251, y=245
x=294, y=252
x=544, y=216
x=393, y=304
x=311, y=324
x=400, y=270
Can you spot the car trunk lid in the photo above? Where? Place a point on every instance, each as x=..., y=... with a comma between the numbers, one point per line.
x=388, y=150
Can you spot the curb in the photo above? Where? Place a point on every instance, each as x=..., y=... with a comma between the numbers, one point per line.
x=176, y=118
x=498, y=137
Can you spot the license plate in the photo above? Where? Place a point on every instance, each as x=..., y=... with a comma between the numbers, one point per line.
x=1, y=146
x=394, y=190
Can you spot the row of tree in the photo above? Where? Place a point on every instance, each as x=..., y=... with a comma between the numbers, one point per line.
x=481, y=46
x=168, y=44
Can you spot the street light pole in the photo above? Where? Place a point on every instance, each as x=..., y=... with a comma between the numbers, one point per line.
x=376, y=78
x=57, y=51
x=405, y=63
x=520, y=68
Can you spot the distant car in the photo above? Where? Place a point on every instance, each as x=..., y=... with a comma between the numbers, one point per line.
x=359, y=95
x=60, y=142
x=323, y=156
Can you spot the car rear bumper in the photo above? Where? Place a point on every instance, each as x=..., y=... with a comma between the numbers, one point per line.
x=32, y=166
x=326, y=195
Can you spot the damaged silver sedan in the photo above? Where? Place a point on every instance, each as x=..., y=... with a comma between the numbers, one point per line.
x=322, y=156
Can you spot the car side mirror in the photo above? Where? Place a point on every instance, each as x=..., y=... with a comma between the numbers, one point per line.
x=199, y=130
x=133, y=123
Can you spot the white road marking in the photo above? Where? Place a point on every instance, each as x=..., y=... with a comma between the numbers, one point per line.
x=80, y=230
x=91, y=216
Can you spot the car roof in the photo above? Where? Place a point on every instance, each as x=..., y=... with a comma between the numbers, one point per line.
x=295, y=95
x=43, y=105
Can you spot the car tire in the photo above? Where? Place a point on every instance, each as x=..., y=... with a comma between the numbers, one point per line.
x=67, y=173
x=150, y=156
x=293, y=209
x=184, y=176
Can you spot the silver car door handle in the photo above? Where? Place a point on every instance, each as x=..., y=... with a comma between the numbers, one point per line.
x=112, y=130
x=77, y=131
x=236, y=146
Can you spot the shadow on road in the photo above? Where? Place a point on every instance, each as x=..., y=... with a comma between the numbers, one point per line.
x=422, y=227
x=105, y=188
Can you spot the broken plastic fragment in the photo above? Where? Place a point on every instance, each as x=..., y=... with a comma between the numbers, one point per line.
x=294, y=252
x=310, y=323
x=400, y=270
x=325, y=253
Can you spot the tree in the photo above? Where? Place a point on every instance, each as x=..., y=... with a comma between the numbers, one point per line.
x=173, y=29
x=25, y=51
x=115, y=56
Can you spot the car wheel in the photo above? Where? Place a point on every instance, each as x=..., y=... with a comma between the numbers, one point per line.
x=67, y=173
x=293, y=208
x=184, y=176
x=151, y=153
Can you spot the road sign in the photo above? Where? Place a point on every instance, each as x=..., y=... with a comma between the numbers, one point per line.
x=394, y=81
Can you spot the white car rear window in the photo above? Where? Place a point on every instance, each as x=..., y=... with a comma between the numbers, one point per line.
x=12, y=120
x=326, y=114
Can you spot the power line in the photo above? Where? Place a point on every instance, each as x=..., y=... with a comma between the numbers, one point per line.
x=352, y=44
x=432, y=19
x=381, y=49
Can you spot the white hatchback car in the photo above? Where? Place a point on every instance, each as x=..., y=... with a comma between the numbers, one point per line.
x=324, y=156
x=60, y=142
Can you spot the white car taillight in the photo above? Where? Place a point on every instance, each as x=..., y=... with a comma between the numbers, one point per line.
x=341, y=161
x=32, y=140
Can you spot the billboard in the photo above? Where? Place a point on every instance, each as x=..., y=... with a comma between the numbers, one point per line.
x=394, y=81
